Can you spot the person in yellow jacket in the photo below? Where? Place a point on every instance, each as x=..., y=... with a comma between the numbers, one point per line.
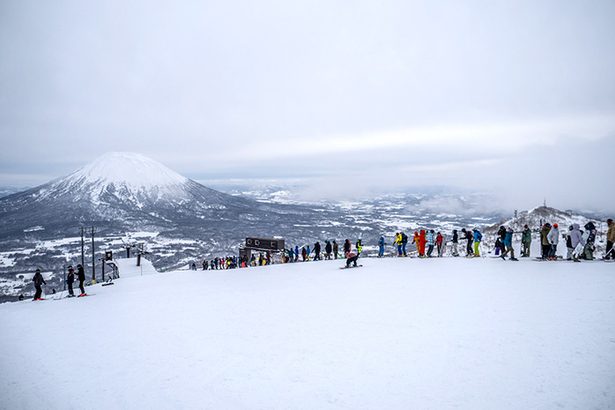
x=398, y=242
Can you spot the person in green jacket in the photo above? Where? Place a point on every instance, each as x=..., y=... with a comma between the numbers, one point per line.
x=526, y=241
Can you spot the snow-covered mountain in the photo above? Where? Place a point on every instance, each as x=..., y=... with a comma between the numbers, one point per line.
x=117, y=190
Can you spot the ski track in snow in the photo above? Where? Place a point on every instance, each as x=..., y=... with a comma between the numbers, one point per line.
x=396, y=334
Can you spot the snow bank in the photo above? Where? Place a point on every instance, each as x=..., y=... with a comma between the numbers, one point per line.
x=395, y=334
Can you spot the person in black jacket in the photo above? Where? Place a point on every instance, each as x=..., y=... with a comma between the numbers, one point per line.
x=347, y=246
x=317, y=251
x=81, y=277
x=70, y=278
x=455, y=243
x=328, y=250
x=38, y=283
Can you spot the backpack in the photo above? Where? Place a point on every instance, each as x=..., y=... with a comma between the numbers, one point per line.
x=479, y=235
x=404, y=238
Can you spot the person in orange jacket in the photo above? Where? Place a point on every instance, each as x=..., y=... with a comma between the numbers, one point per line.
x=415, y=240
x=422, y=242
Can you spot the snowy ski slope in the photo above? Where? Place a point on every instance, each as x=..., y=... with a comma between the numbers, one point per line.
x=396, y=334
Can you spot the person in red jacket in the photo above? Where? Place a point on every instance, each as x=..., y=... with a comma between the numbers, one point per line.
x=351, y=257
x=439, y=243
x=422, y=242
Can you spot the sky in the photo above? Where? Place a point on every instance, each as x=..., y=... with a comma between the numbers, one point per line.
x=515, y=98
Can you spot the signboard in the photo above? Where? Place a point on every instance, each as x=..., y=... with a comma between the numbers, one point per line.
x=265, y=244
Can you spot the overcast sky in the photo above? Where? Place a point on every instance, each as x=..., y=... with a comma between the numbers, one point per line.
x=512, y=97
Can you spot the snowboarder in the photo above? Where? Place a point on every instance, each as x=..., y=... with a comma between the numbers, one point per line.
x=38, y=283
x=553, y=238
x=526, y=241
x=477, y=237
x=351, y=257
x=508, y=245
x=590, y=232
x=70, y=279
x=359, y=246
x=296, y=253
x=304, y=254
x=455, y=242
x=81, y=278
x=381, y=247
x=610, y=240
x=336, y=249
x=205, y=264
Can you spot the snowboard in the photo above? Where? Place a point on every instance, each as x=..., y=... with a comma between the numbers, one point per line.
x=350, y=267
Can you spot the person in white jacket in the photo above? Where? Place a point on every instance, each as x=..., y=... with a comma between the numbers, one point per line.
x=553, y=238
x=577, y=242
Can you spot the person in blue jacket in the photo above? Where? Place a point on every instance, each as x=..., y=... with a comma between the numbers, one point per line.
x=381, y=247
x=508, y=245
x=431, y=241
x=477, y=236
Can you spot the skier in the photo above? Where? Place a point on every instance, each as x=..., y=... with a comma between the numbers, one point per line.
x=553, y=238
x=610, y=240
x=422, y=242
x=296, y=253
x=328, y=250
x=478, y=237
x=404, y=243
x=439, y=244
x=508, y=245
x=577, y=242
x=81, y=278
x=335, y=249
x=38, y=283
x=205, y=264
x=359, y=247
x=70, y=279
x=455, y=242
x=398, y=243
x=317, y=251
x=308, y=251
x=381, y=247
x=526, y=241
x=468, y=237
x=544, y=241
x=304, y=254
x=430, y=242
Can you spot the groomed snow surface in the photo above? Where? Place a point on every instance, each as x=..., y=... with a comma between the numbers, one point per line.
x=446, y=333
